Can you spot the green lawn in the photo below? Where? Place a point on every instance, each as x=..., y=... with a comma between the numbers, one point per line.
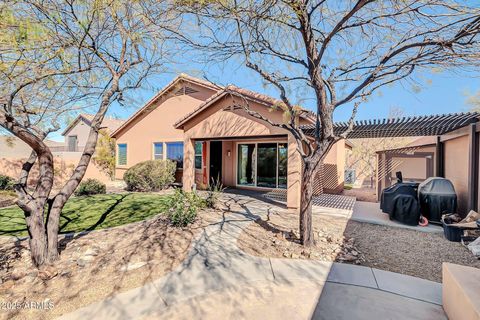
x=92, y=212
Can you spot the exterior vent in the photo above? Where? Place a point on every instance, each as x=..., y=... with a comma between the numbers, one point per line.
x=185, y=91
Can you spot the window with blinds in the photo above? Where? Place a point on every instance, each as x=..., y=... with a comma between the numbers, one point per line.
x=122, y=154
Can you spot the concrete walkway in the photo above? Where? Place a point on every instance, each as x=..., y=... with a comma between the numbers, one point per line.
x=370, y=212
x=218, y=280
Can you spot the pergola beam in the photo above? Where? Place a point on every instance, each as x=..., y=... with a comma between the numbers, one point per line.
x=432, y=125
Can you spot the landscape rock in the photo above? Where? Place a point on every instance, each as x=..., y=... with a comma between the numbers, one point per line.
x=348, y=258
x=18, y=274
x=8, y=285
x=83, y=261
x=91, y=252
x=132, y=266
x=48, y=273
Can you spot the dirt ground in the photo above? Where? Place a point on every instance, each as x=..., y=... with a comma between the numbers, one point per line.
x=393, y=249
x=92, y=266
x=362, y=194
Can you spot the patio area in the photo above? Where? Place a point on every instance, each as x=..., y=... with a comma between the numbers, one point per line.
x=338, y=206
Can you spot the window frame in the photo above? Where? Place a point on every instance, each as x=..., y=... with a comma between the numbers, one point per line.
x=198, y=155
x=75, y=147
x=163, y=151
x=118, y=154
x=166, y=152
x=255, y=184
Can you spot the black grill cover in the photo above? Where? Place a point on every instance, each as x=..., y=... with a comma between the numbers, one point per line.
x=437, y=196
x=387, y=201
x=406, y=209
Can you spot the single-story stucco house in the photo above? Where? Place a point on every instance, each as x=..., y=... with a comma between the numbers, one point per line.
x=206, y=130
x=201, y=126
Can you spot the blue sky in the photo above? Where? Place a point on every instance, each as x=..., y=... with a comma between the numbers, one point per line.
x=440, y=92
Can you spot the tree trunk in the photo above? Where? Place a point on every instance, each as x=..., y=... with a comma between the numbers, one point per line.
x=36, y=231
x=53, y=223
x=306, y=230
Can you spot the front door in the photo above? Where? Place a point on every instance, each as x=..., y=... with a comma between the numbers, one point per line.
x=215, y=161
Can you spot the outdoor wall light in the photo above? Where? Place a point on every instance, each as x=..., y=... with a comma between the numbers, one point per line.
x=228, y=153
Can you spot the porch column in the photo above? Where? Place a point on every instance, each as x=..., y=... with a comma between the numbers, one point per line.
x=294, y=174
x=188, y=164
x=439, y=157
x=472, y=167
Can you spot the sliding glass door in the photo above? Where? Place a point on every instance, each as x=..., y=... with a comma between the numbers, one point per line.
x=266, y=168
x=262, y=165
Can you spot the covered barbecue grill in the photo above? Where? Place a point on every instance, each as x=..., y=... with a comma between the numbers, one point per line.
x=437, y=196
x=400, y=202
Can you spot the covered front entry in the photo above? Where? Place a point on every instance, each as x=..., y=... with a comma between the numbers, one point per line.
x=255, y=163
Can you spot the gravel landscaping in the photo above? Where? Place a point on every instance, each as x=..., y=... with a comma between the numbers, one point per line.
x=393, y=249
x=94, y=265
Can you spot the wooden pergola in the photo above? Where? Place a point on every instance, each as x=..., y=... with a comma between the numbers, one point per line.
x=432, y=125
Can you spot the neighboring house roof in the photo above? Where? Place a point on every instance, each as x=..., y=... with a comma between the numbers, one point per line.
x=111, y=124
x=232, y=90
x=166, y=89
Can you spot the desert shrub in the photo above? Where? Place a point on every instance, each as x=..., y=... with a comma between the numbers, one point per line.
x=152, y=175
x=6, y=182
x=90, y=186
x=213, y=193
x=184, y=207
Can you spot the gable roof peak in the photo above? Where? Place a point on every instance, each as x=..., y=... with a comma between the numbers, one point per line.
x=180, y=77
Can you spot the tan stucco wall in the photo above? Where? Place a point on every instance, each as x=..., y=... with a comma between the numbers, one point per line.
x=64, y=163
x=411, y=168
x=81, y=130
x=215, y=122
x=334, y=169
x=157, y=126
x=461, y=292
x=456, y=168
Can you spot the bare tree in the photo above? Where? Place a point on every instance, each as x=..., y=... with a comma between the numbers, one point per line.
x=63, y=55
x=341, y=51
x=473, y=100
